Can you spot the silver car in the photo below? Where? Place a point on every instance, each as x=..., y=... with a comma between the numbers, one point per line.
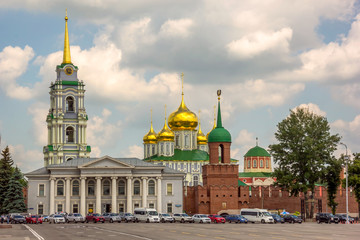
x=127, y=217
x=165, y=217
x=75, y=217
x=201, y=218
x=182, y=217
x=112, y=217
x=57, y=218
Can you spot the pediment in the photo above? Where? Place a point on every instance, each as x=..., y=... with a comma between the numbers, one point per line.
x=106, y=162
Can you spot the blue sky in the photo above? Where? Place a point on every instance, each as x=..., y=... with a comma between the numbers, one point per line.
x=267, y=57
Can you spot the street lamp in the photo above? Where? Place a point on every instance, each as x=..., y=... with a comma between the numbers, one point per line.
x=347, y=197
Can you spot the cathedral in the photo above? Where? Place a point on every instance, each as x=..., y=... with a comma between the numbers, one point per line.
x=71, y=181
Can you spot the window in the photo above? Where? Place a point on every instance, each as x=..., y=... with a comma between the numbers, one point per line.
x=59, y=208
x=151, y=188
x=151, y=205
x=148, y=150
x=267, y=163
x=162, y=148
x=186, y=141
x=153, y=150
x=106, y=187
x=75, y=188
x=91, y=188
x=167, y=149
x=136, y=187
x=60, y=188
x=177, y=141
x=75, y=208
x=121, y=187
x=69, y=135
x=69, y=104
x=249, y=163
x=169, y=208
x=136, y=205
x=169, y=190
x=121, y=207
x=41, y=190
x=40, y=209
x=195, y=180
x=254, y=164
x=91, y=208
x=261, y=163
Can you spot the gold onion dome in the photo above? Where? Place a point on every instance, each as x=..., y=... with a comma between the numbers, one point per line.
x=150, y=137
x=165, y=134
x=183, y=118
x=201, y=138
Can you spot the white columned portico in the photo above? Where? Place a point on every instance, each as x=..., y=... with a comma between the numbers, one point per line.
x=82, y=196
x=113, y=194
x=98, y=194
x=52, y=195
x=67, y=195
x=158, y=195
x=144, y=192
x=129, y=195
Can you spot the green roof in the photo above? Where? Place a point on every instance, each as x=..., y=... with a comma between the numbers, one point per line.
x=88, y=148
x=219, y=134
x=50, y=147
x=241, y=183
x=255, y=174
x=257, y=152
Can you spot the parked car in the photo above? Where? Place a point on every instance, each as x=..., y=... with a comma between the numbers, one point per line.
x=182, y=217
x=326, y=218
x=18, y=219
x=94, y=217
x=236, y=219
x=165, y=217
x=277, y=218
x=112, y=217
x=216, y=218
x=127, y=217
x=45, y=218
x=33, y=219
x=57, y=218
x=75, y=217
x=342, y=218
x=292, y=219
x=146, y=215
x=201, y=218
x=256, y=215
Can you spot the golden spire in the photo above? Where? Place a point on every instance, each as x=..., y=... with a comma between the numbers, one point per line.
x=165, y=134
x=66, y=56
x=150, y=137
x=182, y=91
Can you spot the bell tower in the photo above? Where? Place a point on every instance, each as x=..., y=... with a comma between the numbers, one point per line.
x=67, y=118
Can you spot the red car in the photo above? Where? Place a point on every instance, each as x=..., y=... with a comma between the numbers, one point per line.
x=94, y=217
x=217, y=218
x=34, y=219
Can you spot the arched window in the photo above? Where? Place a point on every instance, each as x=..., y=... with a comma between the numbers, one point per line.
x=75, y=188
x=69, y=135
x=167, y=149
x=153, y=149
x=177, y=141
x=91, y=188
x=254, y=163
x=221, y=153
x=162, y=148
x=121, y=187
x=60, y=188
x=136, y=187
x=69, y=159
x=261, y=163
x=267, y=163
x=69, y=104
x=187, y=141
x=249, y=164
x=195, y=180
x=151, y=187
x=106, y=187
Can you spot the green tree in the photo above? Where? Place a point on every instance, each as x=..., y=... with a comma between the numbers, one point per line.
x=354, y=176
x=333, y=181
x=304, y=147
x=6, y=163
x=14, y=197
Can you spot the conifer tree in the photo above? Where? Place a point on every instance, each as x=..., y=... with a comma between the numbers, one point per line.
x=6, y=163
x=14, y=198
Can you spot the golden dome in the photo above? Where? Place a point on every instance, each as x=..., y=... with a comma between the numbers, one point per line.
x=201, y=138
x=165, y=134
x=207, y=135
x=183, y=118
x=150, y=137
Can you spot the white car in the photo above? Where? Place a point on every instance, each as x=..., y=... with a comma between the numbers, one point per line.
x=182, y=217
x=201, y=218
x=165, y=217
x=146, y=215
x=57, y=218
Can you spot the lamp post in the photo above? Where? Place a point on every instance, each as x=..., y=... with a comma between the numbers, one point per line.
x=347, y=197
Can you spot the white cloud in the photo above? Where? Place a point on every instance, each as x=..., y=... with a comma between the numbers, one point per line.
x=257, y=43
x=350, y=131
x=176, y=28
x=13, y=63
x=347, y=93
x=134, y=151
x=39, y=131
x=312, y=108
x=244, y=138
x=26, y=160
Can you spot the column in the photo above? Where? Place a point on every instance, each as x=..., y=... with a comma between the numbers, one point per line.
x=129, y=195
x=144, y=192
x=98, y=194
x=52, y=195
x=67, y=195
x=113, y=195
x=83, y=196
x=158, y=195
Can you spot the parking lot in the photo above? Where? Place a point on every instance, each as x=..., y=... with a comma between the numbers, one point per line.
x=149, y=231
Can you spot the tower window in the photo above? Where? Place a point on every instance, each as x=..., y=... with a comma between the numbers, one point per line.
x=69, y=104
x=267, y=163
x=249, y=164
x=261, y=163
x=69, y=135
x=177, y=141
x=195, y=180
x=254, y=164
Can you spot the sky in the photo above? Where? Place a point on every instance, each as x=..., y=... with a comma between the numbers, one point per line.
x=267, y=57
